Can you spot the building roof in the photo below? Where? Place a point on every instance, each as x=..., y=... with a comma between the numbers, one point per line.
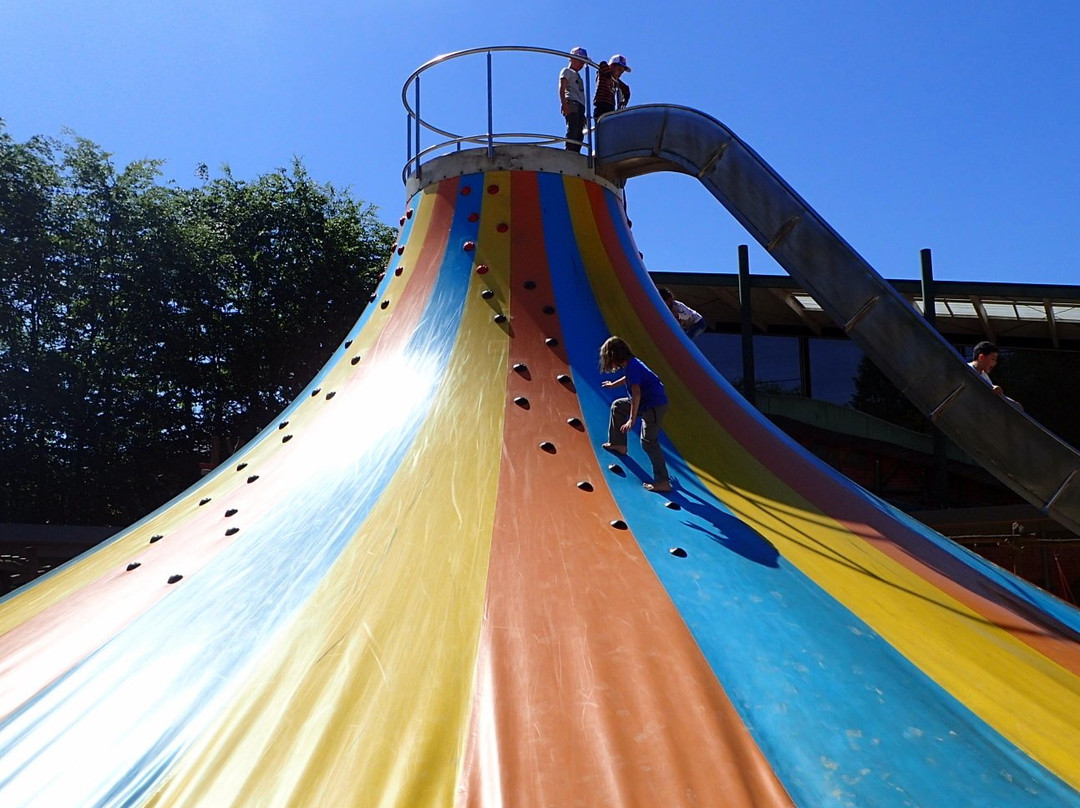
x=1018, y=315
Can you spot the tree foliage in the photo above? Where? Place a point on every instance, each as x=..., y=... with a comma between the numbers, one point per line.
x=139, y=319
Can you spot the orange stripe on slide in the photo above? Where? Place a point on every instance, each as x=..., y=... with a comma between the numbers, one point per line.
x=590, y=689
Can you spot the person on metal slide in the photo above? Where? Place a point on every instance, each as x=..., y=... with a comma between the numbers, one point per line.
x=691, y=321
x=984, y=358
x=572, y=98
x=612, y=92
x=647, y=400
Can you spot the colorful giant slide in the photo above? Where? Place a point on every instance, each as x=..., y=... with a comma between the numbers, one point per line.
x=427, y=584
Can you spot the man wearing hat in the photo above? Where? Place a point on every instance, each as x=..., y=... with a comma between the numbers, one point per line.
x=572, y=99
x=611, y=92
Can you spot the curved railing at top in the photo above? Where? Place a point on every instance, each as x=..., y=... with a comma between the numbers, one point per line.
x=488, y=138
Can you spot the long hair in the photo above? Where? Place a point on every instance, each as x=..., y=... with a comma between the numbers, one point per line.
x=614, y=353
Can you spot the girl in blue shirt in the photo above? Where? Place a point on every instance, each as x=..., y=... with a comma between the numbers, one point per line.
x=647, y=401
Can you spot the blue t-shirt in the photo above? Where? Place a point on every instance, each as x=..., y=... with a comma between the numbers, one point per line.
x=652, y=389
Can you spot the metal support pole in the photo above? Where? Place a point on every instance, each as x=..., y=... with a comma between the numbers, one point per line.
x=417, y=105
x=588, y=119
x=941, y=460
x=491, y=144
x=746, y=316
x=805, y=378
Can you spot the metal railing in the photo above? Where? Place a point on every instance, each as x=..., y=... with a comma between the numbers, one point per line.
x=415, y=123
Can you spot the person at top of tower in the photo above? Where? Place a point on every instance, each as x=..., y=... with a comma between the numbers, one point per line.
x=647, y=401
x=572, y=98
x=984, y=358
x=691, y=321
x=612, y=92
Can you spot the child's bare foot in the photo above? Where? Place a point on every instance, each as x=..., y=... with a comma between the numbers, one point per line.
x=616, y=448
x=659, y=488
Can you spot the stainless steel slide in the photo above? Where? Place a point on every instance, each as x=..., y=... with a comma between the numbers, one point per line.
x=1018, y=451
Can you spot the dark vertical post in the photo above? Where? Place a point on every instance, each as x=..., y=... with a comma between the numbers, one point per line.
x=588, y=118
x=491, y=145
x=746, y=317
x=805, y=380
x=941, y=462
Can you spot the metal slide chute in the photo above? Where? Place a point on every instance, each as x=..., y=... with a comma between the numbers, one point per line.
x=1032, y=461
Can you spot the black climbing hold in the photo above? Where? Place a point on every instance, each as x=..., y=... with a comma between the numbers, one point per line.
x=548, y=309
x=408, y=213
x=615, y=468
x=399, y=270
x=522, y=402
x=253, y=478
x=230, y=512
x=330, y=395
x=585, y=485
x=522, y=368
x=565, y=381
x=203, y=501
x=232, y=531
x=551, y=342
x=487, y=294
x=530, y=284
x=175, y=578
x=355, y=360
x=618, y=524
x=156, y=537
x=241, y=467
x=384, y=304
x=499, y=318
x=134, y=565
x=576, y=424
x=400, y=249
x=675, y=506
x=316, y=392
x=348, y=343
x=678, y=552
x=283, y=424
x=286, y=438
x=548, y=447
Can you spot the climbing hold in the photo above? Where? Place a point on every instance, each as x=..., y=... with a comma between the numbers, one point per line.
x=678, y=552
x=203, y=501
x=481, y=269
x=156, y=538
x=316, y=392
x=502, y=227
x=551, y=342
x=232, y=531
x=615, y=468
x=466, y=190
x=487, y=294
x=522, y=368
x=576, y=424
x=585, y=485
x=230, y=512
x=401, y=221
x=474, y=216
x=499, y=318
x=330, y=395
x=348, y=342
x=522, y=402
x=384, y=304
x=286, y=438
x=283, y=424
x=618, y=524
x=399, y=270
x=469, y=246
x=175, y=578
x=530, y=284
x=565, y=381
x=548, y=447
x=253, y=478
x=408, y=213
x=548, y=309
x=400, y=249
x=134, y=565
x=355, y=360
x=493, y=189
x=241, y=467
x=675, y=506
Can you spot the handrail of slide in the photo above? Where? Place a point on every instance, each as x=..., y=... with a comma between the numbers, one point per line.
x=1032, y=461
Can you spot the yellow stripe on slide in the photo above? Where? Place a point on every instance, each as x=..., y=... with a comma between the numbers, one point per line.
x=349, y=682
x=986, y=668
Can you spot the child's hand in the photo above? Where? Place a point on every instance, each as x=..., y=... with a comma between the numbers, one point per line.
x=607, y=383
x=627, y=426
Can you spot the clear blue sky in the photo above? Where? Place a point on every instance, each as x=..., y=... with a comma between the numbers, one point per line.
x=921, y=123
